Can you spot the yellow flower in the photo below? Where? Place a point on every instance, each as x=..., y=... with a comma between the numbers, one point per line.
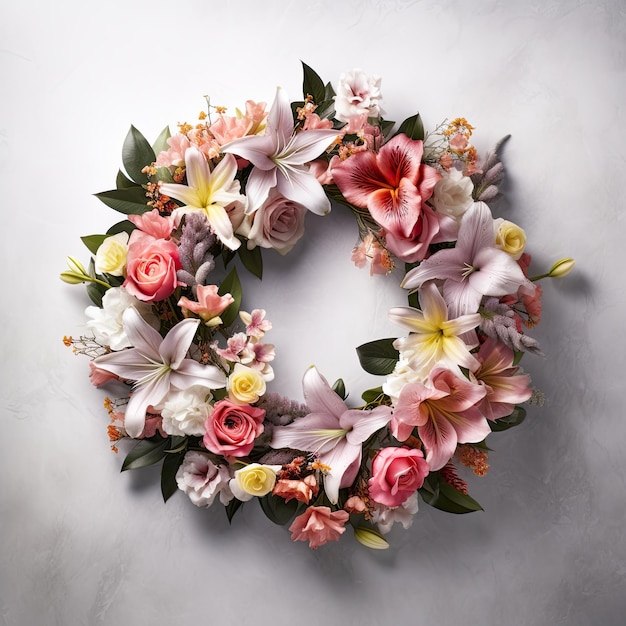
x=255, y=480
x=111, y=255
x=511, y=239
x=245, y=385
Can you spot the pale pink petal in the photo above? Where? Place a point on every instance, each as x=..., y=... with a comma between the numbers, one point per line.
x=140, y=334
x=140, y=399
x=280, y=118
x=363, y=424
x=440, y=440
x=307, y=145
x=303, y=188
x=319, y=396
x=257, y=150
x=174, y=347
x=191, y=373
x=445, y=264
x=258, y=188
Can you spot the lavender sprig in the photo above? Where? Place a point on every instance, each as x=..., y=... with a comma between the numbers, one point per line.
x=196, y=241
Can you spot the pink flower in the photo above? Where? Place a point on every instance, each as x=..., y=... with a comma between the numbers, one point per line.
x=151, y=266
x=397, y=473
x=278, y=224
x=314, y=121
x=98, y=376
x=318, y=525
x=232, y=428
x=256, y=324
x=301, y=490
x=153, y=223
x=370, y=250
x=444, y=412
x=504, y=386
x=393, y=184
x=209, y=305
x=175, y=154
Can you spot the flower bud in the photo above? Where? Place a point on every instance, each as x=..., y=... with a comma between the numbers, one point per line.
x=561, y=268
x=370, y=538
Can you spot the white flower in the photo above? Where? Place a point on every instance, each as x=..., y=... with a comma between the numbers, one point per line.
x=385, y=517
x=106, y=322
x=358, y=95
x=202, y=481
x=184, y=411
x=453, y=194
x=111, y=255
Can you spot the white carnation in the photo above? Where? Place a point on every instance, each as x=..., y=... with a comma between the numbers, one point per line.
x=184, y=412
x=106, y=322
x=202, y=480
x=357, y=94
x=385, y=517
x=453, y=194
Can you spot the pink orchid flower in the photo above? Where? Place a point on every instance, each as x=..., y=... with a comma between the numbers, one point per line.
x=280, y=158
x=155, y=364
x=393, y=184
x=473, y=268
x=332, y=431
x=210, y=304
x=445, y=413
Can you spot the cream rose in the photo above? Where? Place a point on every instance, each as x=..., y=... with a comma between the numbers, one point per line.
x=245, y=385
x=253, y=480
x=453, y=194
x=111, y=255
x=510, y=238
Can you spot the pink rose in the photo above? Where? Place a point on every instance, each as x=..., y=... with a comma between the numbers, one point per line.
x=317, y=525
x=151, y=266
x=397, y=473
x=278, y=224
x=232, y=428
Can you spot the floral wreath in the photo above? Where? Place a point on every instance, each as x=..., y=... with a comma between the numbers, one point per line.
x=167, y=322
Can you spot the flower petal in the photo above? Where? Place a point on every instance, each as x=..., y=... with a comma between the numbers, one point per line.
x=141, y=335
x=319, y=396
x=174, y=347
x=257, y=149
x=197, y=171
x=306, y=146
x=302, y=187
x=191, y=373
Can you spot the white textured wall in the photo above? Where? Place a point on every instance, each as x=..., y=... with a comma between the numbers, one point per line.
x=82, y=544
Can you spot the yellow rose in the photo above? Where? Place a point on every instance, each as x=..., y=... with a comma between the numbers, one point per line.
x=511, y=238
x=255, y=480
x=111, y=255
x=245, y=385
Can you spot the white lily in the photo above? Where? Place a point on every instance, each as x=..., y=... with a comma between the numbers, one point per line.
x=332, y=431
x=210, y=192
x=155, y=364
x=434, y=338
x=280, y=159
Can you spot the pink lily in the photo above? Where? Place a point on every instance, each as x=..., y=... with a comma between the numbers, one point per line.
x=473, y=268
x=445, y=413
x=392, y=184
x=332, y=431
x=504, y=386
x=280, y=158
x=209, y=305
x=155, y=364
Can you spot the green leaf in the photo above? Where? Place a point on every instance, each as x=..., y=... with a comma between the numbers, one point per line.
x=517, y=356
x=128, y=201
x=160, y=143
x=437, y=493
x=122, y=181
x=378, y=357
x=171, y=463
x=386, y=126
x=370, y=395
x=121, y=227
x=146, y=452
x=277, y=510
x=231, y=285
x=252, y=259
x=412, y=127
x=136, y=154
x=339, y=387
x=231, y=508
x=93, y=242
x=312, y=84
x=504, y=423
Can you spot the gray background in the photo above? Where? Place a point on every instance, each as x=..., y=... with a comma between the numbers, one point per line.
x=82, y=544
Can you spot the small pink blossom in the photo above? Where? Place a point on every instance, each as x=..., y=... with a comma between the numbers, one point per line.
x=175, y=154
x=256, y=324
x=322, y=170
x=228, y=128
x=99, y=376
x=301, y=490
x=153, y=223
x=458, y=143
x=318, y=525
x=210, y=304
x=370, y=250
x=235, y=346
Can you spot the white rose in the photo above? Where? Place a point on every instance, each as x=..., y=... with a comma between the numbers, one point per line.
x=358, y=95
x=453, y=194
x=202, y=480
x=385, y=517
x=111, y=255
x=106, y=322
x=184, y=412
x=402, y=375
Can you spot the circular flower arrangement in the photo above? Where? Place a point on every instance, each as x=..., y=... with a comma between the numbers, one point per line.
x=168, y=332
